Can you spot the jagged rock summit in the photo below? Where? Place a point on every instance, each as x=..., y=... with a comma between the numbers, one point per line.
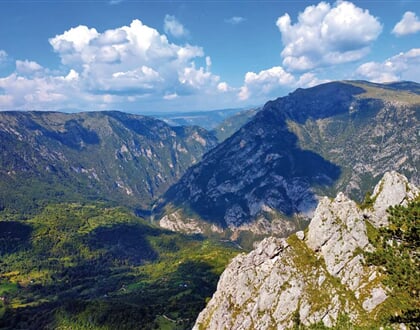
x=393, y=190
x=316, y=276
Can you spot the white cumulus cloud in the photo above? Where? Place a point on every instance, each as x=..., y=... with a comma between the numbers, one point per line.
x=128, y=59
x=265, y=82
x=224, y=87
x=35, y=93
x=27, y=67
x=173, y=27
x=409, y=24
x=404, y=66
x=110, y=68
x=325, y=35
x=309, y=79
x=74, y=42
x=193, y=78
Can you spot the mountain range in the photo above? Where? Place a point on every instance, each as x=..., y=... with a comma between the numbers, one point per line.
x=263, y=179
x=114, y=220
x=111, y=156
x=209, y=120
x=267, y=177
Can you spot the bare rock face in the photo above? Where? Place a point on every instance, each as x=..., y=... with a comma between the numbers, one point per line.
x=173, y=222
x=312, y=276
x=393, y=189
x=335, y=232
x=177, y=222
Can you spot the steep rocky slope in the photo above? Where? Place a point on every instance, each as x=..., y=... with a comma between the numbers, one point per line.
x=266, y=178
x=316, y=276
x=379, y=132
x=97, y=155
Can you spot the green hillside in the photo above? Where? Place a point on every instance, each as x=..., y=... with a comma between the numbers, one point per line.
x=89, y=266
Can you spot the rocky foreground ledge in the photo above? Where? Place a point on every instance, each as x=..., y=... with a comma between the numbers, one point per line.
x=312, y=277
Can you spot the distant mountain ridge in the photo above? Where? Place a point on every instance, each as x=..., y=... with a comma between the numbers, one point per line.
x=206, y=119
x=223, y=123
x=230, y=125
x=114, y=156
x=315, y=141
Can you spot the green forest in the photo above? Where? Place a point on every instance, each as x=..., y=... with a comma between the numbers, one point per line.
x=397, y=252
x=91, y=266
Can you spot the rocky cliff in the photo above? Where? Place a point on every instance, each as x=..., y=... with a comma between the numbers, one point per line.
x=314, y=277
x=267, y=178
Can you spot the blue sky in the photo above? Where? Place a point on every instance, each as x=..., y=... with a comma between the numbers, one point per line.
x=152, y=56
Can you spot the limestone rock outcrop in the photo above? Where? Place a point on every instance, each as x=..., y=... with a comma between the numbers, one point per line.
x=311, y=277
x=394, y=189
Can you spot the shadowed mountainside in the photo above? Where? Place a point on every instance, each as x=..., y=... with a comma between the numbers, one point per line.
x=335, y=136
